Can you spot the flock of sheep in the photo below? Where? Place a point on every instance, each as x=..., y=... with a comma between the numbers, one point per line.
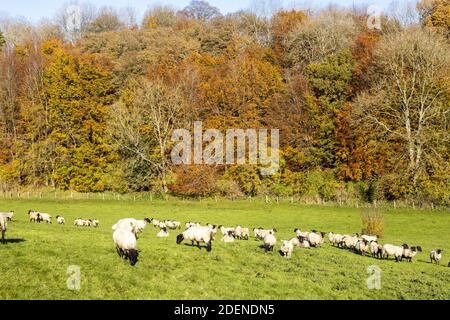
x=126, y=232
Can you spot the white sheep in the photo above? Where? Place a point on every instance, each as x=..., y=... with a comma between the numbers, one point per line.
x=226, y=230
x=60, y=220
x=376, y=249
x=172, y=224
x=9, y=215
x=34, y=216
x=295, y=242
x=199, y=235
x=391, y=250
x=315, y=239
x=362, y=246
x=262, y=233
x=299, y=233
x=3, y=226
x=95, y=223
x=163, y=233
x=349, y=242
x=287, y=247
x=45, y=217
x=155, y=223
x=303, y=242
x=79, y=222
x=133, y=225
x=410, y=253
x=335, y=238
x=436, y=256
x=269, y=242
x=126, y=243
x=242, y=233
x=228, y=237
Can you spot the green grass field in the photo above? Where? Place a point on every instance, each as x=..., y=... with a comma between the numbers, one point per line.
x=34, y=262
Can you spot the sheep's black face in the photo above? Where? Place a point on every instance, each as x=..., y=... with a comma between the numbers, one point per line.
x=323, y=234
x=148, y=220
x=133, y=256
x=419, y=248
x=405, y=246
x=439, y=251
x=180, y=238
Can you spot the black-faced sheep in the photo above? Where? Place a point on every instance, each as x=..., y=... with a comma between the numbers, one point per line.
x=410, y=253
x=287, y=247
x=228, y=237
x=376, y=249
x=391, y=250
x=125, y=242
x=60, y=220
x=269, y=242
x=436, y=256
x=34, y=216
x=163, y=233
x=199, y=235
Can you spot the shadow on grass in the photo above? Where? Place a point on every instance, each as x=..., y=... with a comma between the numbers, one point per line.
x=14, y=241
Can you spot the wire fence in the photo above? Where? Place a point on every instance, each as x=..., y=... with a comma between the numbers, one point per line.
x=150, y=197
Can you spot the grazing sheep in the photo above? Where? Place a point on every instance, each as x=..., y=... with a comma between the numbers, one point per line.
x=226, y=230
x=391, y=250
x=173, y=225
x=376, y=249
x=9, y=215
x=436, y=256
x=133, y=225
x=269, y=242
x=60, y=220
x=262, y=233
x=3, y=226
x=79, y=222
x=286, y=248
x=155, y=223
x=228, y=237
x=242, y=233
x=125, y=242
x=45, y=217
x=362, y=246
x=299, y=233
x=163, y=233
x=304, y=242
x=349, y=242
x=199, y=235
x=335, y=238
x=410, y=253
x=315, y=239
x=34, y=216
x=95, y=223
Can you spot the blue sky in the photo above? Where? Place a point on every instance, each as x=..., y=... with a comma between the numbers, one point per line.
x=34, y=10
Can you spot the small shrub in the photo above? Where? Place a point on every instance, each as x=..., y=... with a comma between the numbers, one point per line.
x=372, y=223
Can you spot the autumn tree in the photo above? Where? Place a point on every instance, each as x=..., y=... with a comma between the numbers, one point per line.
x=283, y=22
x=435, y=14
x=326, y=34
x=408, y=98
x=77, y=91
x=200, y=10
x=142, y=124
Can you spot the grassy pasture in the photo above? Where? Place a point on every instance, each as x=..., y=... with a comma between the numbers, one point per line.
x=34, y=262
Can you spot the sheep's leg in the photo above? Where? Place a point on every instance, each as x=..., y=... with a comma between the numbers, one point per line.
x=3, y=236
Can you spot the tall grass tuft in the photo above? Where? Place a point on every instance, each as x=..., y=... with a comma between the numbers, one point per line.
x=372, y=222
